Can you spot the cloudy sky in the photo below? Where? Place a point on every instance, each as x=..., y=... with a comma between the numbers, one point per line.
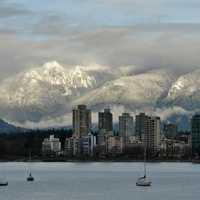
x=156, y=33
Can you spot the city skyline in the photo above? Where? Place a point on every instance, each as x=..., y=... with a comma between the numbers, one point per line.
x=99, y=99
x=96, y=118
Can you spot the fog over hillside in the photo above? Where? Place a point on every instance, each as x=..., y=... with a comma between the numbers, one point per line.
x=44, y=96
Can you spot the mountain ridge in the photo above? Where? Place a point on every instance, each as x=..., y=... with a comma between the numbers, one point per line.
x=6, y=127
x=50, y=91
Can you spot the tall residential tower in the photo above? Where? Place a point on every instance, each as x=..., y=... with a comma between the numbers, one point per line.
x=81, y=121
x=148, y=128
x=125, y=126
x=195, y=127
x=106, y=120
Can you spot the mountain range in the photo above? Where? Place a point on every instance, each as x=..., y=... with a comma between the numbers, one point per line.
x=45, y=95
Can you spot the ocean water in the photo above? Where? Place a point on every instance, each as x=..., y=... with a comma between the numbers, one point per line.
x=100, y=181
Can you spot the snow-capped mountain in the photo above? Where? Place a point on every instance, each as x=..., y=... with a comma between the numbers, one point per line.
x=43, y=91
x=50, y=74
x=185, y=92
x=185, y=85
x=48, y=93
x=136, y=91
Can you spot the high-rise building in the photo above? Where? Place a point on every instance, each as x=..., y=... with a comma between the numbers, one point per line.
x=140, y=124
x=81, y=121
x=151, y=136
x=106, y=120
x=125, y=126
x=195, y=127
x=148, y=128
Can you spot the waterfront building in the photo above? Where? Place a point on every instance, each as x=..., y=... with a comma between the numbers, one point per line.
x=135, y=149
x=81, y=121
x=51, y=145
x=148, y=129
x=101, y=143
x=125, y=126
x=105, y=120
x=195, y=128
x=180, y=149
x=72, y=147
x=88, y=145
x=82, y=146
x=114, y=145
x=174, y=149
x=151, y=136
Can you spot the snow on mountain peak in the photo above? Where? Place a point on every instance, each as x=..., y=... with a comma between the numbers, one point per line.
x=43, y=91
x=177, y=86
x=56, y=75
x=46, y=92
x=79, y=78
x=185, y=85
x=52, y=65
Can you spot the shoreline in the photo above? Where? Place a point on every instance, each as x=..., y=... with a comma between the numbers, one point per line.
x=97, y=161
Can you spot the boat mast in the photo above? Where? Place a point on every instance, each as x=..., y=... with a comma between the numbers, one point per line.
x=145, y=161
x=29, y=161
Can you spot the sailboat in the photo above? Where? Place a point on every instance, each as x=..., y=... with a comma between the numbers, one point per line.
x=30, y=178
x=3, y=183
x=144, y=181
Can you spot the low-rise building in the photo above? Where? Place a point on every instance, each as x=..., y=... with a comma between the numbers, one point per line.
x=114, y=145
x=83, y=146
x=72, y=146
x=174, y=149
x=51, y=145
x=88, y=145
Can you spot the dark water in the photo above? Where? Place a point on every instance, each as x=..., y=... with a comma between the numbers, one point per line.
x=97, y=181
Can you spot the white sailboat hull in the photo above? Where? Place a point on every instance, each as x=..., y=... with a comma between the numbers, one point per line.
x=143, y=182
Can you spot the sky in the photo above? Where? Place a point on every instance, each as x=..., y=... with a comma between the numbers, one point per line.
x=147, y=34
